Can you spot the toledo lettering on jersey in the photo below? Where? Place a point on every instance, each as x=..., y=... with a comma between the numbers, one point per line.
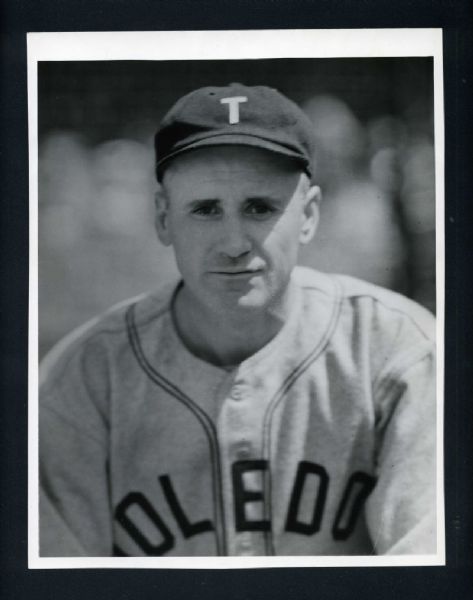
x=356, y=491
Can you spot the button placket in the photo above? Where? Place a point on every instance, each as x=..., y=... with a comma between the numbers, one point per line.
x=240, y=427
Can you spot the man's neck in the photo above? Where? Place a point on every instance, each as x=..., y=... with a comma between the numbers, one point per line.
x=224, y=337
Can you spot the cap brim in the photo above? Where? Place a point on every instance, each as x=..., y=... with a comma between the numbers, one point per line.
x=237, y=140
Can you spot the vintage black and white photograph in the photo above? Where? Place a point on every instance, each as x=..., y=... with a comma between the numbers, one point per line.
x=236, y=327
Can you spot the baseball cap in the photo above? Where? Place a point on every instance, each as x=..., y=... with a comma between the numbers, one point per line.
x=256, y=116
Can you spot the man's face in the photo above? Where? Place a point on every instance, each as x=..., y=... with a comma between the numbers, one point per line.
x=235, y=217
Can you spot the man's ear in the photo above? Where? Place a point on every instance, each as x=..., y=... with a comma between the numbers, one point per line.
x=310, y=218
x=161, y=221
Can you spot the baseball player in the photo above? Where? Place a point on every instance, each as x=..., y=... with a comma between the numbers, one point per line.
x=254, y=407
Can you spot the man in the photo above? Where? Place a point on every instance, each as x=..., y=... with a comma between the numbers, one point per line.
x=255, y=407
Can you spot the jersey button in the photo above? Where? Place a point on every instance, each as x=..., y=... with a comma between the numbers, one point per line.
x=245, y=547
x=237, y=393
x=243, y=450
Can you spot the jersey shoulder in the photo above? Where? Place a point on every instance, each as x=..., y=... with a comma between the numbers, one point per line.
x=370, y=325
x=355, y=295
x=388, y=305
x=105, y=333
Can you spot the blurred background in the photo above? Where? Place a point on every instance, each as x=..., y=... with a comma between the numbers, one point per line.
x=373, y=122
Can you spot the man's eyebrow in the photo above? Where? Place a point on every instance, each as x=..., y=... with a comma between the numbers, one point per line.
x=279, y=201
x=265, y=198
x=195, y=202
x=200, y=201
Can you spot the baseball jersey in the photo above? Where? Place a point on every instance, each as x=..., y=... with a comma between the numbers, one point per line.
x=321, y=443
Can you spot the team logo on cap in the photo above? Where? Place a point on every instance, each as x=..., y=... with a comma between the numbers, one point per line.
x=234, y=107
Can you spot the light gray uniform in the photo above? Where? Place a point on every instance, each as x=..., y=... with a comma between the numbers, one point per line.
x=322, y=443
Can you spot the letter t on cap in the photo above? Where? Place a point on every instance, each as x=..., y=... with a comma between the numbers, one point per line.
x=233, y=107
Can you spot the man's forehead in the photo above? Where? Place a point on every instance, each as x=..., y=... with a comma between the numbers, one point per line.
x=231, y=175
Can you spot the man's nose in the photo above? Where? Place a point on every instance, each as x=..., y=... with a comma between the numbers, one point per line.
x=234, y=241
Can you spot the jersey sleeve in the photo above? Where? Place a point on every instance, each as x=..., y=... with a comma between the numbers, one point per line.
x=401, y=511
x=75, y=513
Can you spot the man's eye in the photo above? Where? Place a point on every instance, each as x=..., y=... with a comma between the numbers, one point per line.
x=259, y=208
x=206, y=210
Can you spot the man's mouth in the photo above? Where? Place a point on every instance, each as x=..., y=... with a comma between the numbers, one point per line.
x=236, y=272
